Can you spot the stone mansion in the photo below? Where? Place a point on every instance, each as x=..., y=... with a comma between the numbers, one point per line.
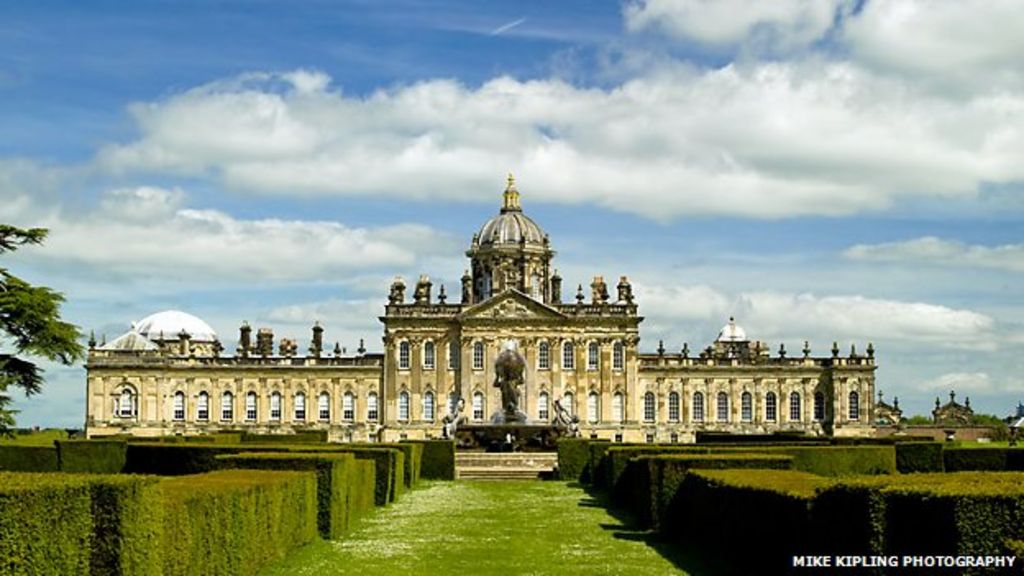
x=169, y=374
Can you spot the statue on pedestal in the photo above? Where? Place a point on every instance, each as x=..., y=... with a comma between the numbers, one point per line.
x=509, y=368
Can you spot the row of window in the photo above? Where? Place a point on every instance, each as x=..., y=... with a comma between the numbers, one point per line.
x=127, y=406
x=543, y=356
x=722, y=413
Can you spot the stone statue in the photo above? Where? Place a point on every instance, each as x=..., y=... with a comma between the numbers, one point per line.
x=568, y=423
x=508, y=369
x=452, y=419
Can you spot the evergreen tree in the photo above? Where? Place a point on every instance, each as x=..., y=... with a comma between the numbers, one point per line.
x=31, y=326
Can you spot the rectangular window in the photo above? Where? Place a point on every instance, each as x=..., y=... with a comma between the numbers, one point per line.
x=723, y=408
x=618, y=357
x=428, y=356
x=371, y=407
x=543, y=412
x=300, y=407
x=323, y=407
x=649, y=407
x=179, y=407
x=593, y=354
x=819, y=406
x=348, y=407
x=275, y=406
x=478, y=406
x=544, y=356
x=403, y=406
x=250, y=407
x=453, y=356
x=568, y=356
x=403, y=355
x=673, y=407
x=478, y=356
x=617, y=408
x=227, y=408
x=203, y=407
x=746, y=407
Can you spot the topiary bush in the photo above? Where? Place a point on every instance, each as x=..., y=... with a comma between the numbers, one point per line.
x=919, y=457
x=304, y=437
x=91, y=456
x=362, y=486
x=18, y=458
x=438, y=459
x=573, y=457
x=235, y=521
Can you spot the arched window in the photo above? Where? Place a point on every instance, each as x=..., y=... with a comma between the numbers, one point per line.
x=403, y=406
x=543, y=411
x=593, y=355
x=618, y=412
x=179, y=406
x=819, y=406
x=698, y=407
x=403, y=355
x=568, y=358
x=371, y=406
x=348, y=406
x=478, y=355
x=453, y=355
x=618, y=356
x=568, y=402
x=673, y=406
x=794, y=407
x=275, y=406
x=746, y=407
x=428, y=356
x=250, y=407
x=650, y=407
x=428, y=406
x=300, y=407
x=323, y=407
x=854, y=406
x=722, y=407
x=770, y=407
x=227, y=407
x=592, y=407
x=126, y=404
x=478, y=406
x=203, y=407
x=544, y=356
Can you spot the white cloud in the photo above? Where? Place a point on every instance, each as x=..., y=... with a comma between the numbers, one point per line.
x=974, y=42
x=147, y=234
x=779, y=24
x=941, y=252
x=765, y=141
x=961, y=382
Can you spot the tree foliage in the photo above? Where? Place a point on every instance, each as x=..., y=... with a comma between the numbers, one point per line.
x=31, y=326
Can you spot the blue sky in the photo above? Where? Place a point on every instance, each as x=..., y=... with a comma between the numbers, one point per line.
x=827, y=171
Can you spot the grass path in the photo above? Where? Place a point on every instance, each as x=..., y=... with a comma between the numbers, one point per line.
x=506, y=528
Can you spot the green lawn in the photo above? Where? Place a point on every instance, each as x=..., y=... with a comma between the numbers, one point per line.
x=41, y=438
x=522, y=528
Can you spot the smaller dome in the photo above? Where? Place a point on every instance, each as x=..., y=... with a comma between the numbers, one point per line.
x=166, y=325
x=732, y=333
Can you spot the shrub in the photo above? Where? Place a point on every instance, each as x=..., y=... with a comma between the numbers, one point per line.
x=180, y=459
x=617, y=457
x=919, y=457
x=91, y=456
x=842, y=460
x=64, y=524
x=304, y=437
x=658, y=478
x=362, y=489
x=389, y=462
x=235, y=521
x=413, y=460
x=573, y=456
x=997, y=459
x=332, y=482
x=438, y=459
x=763, y=513
x=19, y=458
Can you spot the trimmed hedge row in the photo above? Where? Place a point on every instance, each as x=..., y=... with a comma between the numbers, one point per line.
x=78, y=524
x=389, y=466
x=18, y=458
x=91, y=456
x=177, y=459
x=573, y=459
x=652, y=495
x=306, y=436
x=996, y=459
x=235, y=521
x=919, y=457
x=333, y=482
x=438, y=459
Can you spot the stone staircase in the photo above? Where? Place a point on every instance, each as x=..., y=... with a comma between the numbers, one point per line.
x=504, y=465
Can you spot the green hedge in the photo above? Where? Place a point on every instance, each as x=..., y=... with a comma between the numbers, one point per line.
x=413, y=460
x=68, y=524
x=19, y=458
x=996, y=459
x=842, y=460
x=389, y=466
x=438, y=460
x=181, y=459
x=615, y=461
x=332, y=482
x=745, y=521
x=304, y=437
x=919, y=457
x=573, y=457
x=362, y=489
x=91, y=456
x=236, y=521
x=652, y=496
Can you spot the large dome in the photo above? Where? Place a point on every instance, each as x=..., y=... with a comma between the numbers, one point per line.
x=510, y=226
x=168, y=324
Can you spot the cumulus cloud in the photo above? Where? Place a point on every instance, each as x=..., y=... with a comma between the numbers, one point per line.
x=765, y=141
x=781, y=24
x=941, y=252
x=978, y=382
x=780, y=316
x=149, y=234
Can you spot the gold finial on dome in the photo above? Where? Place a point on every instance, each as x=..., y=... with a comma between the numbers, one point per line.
x=511, y=195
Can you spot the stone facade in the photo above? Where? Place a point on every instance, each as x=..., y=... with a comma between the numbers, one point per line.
x=169, y=375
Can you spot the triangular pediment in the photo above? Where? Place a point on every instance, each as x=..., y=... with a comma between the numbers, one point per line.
x=512, y=305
